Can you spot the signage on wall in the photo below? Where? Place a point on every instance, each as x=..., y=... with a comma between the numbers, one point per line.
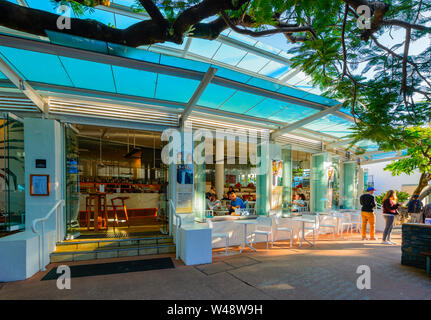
x=41, y=163
x=39, y=185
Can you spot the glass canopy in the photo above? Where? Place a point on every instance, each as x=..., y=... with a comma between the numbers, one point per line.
x=274, y=92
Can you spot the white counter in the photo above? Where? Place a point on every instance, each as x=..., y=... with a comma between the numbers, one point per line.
x=135, y=201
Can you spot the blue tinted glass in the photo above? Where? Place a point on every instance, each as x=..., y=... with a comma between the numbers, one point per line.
x=384, y=155
x=229, y=55
x=135, y=82
x=241, y=102
x=214, y=95
x=264, y=84
x=42, y=5
x=292, y=92
x=77, y=42
x=266, y=108
x=133, y=53
x=293, y=113
x=35, y=66
x=89, y=75
x=184, y=63
x=102, y=16
x=175, y=88
x=321, y=100
x=2, y=76
x=203, y=47
x=232, y=75
x=252, y=62
x=274, y=69
x=266, y=47
x=124, y=22
x=331, y=125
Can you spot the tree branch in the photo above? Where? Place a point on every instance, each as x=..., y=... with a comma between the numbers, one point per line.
x=154, y=12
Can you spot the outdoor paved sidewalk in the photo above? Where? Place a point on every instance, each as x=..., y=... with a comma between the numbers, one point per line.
x=327, y=271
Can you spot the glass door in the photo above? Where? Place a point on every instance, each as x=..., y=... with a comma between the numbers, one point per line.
x=12, y=177
x=72, y=183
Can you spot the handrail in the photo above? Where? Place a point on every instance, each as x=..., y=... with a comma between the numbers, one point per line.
x=42, y=235
x=178, y=222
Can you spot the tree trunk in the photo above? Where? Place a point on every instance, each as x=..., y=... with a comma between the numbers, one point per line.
x=426, y=193
x=423, y=182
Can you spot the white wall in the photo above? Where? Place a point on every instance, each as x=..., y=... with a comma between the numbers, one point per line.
x=384, y=180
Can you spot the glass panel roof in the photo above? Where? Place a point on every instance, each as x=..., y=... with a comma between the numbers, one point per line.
x=331, y=125
x=292, y=113
x=175, y=88
x=241, y=52
x=241, y=102
x=36, y=66
x=384, y=155
x=89, y=75
x=126, y=83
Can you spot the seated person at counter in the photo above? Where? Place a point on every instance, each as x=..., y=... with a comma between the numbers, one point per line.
x=213, y=203
x=235, y=202
x=298, y=202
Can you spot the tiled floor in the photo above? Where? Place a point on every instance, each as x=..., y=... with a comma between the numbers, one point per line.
x=326, y=271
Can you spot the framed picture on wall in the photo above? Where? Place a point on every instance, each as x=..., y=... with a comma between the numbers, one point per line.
x=39, y=185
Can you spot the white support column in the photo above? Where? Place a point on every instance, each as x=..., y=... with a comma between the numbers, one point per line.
x=219, y=169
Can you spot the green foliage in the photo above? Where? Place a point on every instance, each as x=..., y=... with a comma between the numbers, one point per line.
x=401, y=197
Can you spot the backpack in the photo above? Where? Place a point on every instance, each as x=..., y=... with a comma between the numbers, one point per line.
x=416, y=206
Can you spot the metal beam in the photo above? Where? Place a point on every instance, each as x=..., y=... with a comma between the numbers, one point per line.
x=187, y=47
x=208, y=76
x=49, y=48
x=303, y=122
x=383, y=160
x=23, y=86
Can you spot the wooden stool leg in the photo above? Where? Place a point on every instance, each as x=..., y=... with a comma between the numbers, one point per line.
x=125, y=214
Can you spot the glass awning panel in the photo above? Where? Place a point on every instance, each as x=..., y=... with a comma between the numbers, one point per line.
x=167, y=78
x=2, y=76
x=331, y=125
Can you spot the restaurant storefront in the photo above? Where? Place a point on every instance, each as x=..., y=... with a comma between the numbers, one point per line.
x=153, y=134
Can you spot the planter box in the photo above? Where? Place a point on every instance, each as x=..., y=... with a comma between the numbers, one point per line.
x=416, y=238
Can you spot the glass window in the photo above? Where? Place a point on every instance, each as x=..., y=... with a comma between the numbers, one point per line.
x=12, y=177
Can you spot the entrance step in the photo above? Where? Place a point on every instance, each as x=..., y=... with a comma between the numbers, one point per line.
x=78, y=250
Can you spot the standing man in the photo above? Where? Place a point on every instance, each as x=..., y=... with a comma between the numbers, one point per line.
x=368, y=204
x=415, y=208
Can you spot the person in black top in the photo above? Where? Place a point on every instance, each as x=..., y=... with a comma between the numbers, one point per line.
x=368, y=204
x=415, y=208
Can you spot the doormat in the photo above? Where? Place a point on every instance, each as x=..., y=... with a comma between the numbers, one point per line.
x=100, y=269
x=118, y=235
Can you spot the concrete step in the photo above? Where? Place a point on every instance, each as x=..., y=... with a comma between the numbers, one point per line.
x=70, y=251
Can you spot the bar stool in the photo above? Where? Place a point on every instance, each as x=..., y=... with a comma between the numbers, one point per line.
x=96, y=201
x=117, y=207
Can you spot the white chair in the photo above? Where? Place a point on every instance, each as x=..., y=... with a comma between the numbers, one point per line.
x=312, y=225
x=347, y=222
x=218, y=235
x=248, y=208
x=279, y=227
x=325, y=224
x=356, y=220
x=263, y=227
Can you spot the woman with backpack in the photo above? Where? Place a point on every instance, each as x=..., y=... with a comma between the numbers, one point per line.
x=390, y=207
